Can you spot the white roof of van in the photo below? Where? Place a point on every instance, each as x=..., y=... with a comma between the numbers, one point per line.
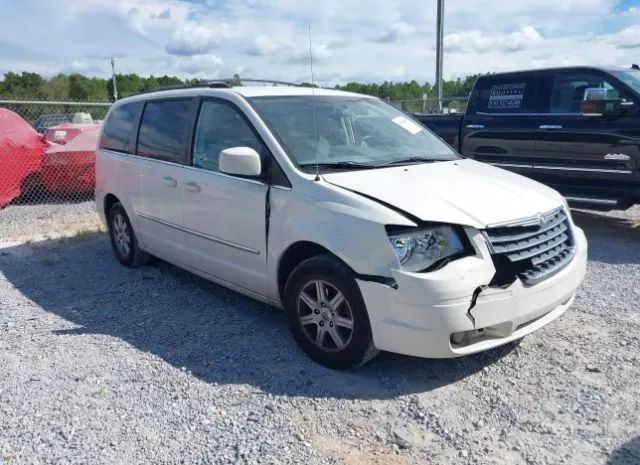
x=245, y=91
x=268, y=91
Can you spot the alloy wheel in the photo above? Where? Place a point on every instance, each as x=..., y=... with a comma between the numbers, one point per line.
x=121, y=234
x=325, y=315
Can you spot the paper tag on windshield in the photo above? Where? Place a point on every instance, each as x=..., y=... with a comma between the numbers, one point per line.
x=407, y=125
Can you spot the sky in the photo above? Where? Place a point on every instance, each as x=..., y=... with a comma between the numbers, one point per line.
x=352, y=40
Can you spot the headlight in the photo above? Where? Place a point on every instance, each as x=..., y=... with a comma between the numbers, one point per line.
x=420, y=249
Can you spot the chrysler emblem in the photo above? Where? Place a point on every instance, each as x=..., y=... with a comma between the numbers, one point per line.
x=542, y=220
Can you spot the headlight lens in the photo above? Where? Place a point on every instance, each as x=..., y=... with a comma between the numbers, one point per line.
x=419, y=249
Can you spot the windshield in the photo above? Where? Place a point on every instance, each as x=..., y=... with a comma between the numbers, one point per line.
x=355, y=131
x=630, y=77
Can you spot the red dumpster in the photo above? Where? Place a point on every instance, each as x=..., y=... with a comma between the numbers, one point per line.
x=70, y=168
x=21, y=149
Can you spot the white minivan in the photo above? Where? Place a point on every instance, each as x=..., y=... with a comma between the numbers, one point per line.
x=369, y=231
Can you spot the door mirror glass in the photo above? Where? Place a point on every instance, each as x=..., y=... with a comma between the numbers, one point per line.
x=240, y=161
x=595, y=93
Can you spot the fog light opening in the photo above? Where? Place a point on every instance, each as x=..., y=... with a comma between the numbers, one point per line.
x=465, y=337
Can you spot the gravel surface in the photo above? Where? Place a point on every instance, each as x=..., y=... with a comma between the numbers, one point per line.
x=103, y=364
x=51, y=218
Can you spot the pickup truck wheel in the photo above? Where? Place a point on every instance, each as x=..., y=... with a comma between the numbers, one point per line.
x=327, y=315
x=123, y=238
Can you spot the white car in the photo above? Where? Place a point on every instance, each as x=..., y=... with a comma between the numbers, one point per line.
x=369, y=231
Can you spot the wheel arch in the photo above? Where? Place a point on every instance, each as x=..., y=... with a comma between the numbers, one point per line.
x=109, y=201
x=295, y=254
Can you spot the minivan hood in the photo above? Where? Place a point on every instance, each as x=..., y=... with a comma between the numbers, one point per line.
x=462, y=192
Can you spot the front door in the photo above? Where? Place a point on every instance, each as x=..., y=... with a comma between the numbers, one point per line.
x=500, y=125
x=225, y=216
x=162, y=143
x=582, y=154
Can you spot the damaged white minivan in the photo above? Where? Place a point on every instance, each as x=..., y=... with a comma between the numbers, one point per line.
x=369, y=231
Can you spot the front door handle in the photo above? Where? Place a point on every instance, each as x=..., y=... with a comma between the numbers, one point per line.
x=192, y=186
x=551, y=126
x=169, y=181
x=475, y=126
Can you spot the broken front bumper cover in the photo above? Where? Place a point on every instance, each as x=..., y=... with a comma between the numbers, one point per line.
x=434, y=315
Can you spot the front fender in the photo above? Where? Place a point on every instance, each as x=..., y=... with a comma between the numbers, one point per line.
x=347, y=224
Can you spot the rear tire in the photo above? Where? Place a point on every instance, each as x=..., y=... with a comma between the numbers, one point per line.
x=123, y=239
x=327, y=315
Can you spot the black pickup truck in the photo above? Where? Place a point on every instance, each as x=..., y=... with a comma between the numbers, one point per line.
x=575, y=129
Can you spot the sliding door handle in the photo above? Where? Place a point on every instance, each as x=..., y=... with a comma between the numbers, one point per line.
x=475, y=126
x=169, y=181
x=192, y=186
x=550, y=126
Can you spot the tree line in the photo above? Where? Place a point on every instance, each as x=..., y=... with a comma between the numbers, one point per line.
x=77, y=87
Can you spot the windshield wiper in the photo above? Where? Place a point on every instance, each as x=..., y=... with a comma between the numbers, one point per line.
x=409, y=160
x=340, y=165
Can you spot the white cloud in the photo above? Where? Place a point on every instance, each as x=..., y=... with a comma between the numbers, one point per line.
x=627, y=38
x=193, y=40
x=480, y=42
x=262, y=45
x=399, y=72
x=365, y=40
x=396, y=32
x=204, y=65
x=83, y=67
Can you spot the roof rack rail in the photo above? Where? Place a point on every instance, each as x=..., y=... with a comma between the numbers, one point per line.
x=222, y=83
x=231, y=81
x=187, y=86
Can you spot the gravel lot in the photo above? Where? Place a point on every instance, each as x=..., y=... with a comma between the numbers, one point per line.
x=37, y=221
x=102, y=364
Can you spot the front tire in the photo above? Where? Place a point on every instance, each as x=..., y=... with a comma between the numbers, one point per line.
x=327, y=315
x=123, y=239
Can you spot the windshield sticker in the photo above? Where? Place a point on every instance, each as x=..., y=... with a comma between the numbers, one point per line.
x=407, y=125
x=506, y=96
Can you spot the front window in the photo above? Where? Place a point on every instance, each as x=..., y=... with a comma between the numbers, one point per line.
x=569, y=91
x=350, y=132
x=630, y=77
x=220, y=126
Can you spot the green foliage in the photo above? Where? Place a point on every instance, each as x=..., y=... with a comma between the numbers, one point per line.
x=25, y=85
x=81, y=88
x=413, y=90
x=76, y=87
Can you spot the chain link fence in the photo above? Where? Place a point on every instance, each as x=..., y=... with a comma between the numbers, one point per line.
x=47, y=168
x=433, y=105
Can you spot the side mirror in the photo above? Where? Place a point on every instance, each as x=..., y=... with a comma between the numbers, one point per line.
x=240, y=161
x=596, y=103
x=613, y=107
x=594, y=93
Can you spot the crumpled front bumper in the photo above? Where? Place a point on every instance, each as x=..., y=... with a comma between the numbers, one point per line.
x=421, y=315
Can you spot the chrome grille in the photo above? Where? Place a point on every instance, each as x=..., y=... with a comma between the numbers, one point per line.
x=536, y=248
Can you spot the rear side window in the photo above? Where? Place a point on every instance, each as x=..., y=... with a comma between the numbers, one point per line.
x=506, y=95
x=163, y=129
x=119, y=129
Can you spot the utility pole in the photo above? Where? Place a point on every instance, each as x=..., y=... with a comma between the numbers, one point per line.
x=113, y=79
x=439, y=46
